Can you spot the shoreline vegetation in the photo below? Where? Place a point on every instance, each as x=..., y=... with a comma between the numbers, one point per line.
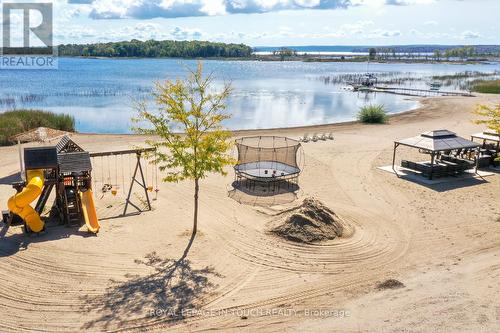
x=222, y=51
x=486, y=86
x=22, y=120
x=373, y=114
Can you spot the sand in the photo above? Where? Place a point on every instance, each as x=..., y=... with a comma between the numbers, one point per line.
x=440, y=241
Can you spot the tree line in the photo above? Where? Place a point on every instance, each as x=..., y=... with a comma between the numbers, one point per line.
x=459, y=52
x=462, y=53
x=157, y=49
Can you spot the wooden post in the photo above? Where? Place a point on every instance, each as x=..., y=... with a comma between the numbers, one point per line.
x=21, y=162
x=138, y=167
x=144, y=183
x=432, y=165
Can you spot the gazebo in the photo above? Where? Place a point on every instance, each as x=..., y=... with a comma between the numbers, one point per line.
x=487, y=136
x=490, y=143
x=438, y=144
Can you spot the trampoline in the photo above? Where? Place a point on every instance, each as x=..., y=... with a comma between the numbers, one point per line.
x=267, y=160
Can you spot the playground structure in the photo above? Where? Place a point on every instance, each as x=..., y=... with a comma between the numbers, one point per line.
x=67, y=169
x=267, y=160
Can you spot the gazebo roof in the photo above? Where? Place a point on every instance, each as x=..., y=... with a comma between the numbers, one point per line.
x=487, y=136
x=39, y=134
x=438, y=140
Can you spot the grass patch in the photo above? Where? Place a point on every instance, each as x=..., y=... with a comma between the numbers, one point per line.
x=486, y=87
x=18, y=121
x=373, y=114
x=464, y=75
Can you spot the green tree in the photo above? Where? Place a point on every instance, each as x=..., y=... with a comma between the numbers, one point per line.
x=285, y=53
x=372, y=53
x=437, y=55
x=192, y=142
x=492, y=115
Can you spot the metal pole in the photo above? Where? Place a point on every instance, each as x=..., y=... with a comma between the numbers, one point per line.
x=432, y=165
x=477, y=159
x=394, y=157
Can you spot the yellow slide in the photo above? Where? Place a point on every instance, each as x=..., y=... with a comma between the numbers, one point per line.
x=20, y=203
x=89, y=213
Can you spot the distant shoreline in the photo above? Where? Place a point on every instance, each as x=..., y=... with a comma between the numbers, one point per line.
x=301, y=59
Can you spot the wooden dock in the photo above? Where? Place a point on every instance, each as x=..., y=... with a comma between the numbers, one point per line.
x=411, y=91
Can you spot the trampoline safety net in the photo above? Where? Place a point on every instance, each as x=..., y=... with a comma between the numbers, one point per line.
x=270, y=149
x=267, y=157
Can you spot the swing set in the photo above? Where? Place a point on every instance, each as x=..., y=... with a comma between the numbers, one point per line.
x=119, y=172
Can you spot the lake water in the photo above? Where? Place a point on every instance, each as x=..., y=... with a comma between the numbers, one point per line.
x=99, y=92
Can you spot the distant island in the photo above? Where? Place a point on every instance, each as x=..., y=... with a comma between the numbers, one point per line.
x=156, y=49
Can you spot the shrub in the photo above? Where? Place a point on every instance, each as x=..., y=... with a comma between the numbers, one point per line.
x=18, y=121
x=372, y=114
x=486, y=87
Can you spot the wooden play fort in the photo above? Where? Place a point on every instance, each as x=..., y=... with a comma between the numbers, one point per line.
x=66, y=171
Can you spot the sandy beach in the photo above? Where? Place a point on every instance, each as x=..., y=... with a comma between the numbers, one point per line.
x=441, y=241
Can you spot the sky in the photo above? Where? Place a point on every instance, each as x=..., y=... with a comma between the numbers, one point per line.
x=274, y=22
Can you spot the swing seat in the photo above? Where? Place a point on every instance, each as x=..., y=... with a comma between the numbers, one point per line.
x=105, y=188
x=114, y=191
x=150, y=188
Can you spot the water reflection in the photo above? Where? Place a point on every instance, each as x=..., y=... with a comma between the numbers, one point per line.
x=99, y=92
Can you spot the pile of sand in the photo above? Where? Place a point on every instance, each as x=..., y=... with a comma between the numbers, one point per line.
x=390, y=284
x=310, y=222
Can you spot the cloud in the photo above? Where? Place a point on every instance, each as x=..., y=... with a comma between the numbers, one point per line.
x=147, y=9
x=470, y=35
x=264, y=6
x=141, y=31
x=431, y=23
x=380, y=33
x=80, y=2
x=407, y=2
x=185, y=34
x=396, y=2
x=430, y=35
